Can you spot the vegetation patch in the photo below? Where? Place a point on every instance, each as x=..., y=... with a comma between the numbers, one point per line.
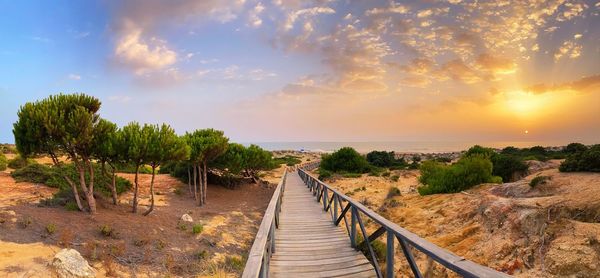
x=197, y=229
x=19, y=162
x=539, y=180
x=393, y=192
x=581, y=159
x=288, y=160
x=3, y=162
x=466, y=173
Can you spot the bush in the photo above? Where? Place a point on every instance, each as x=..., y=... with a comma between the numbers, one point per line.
x=395, y=178
x=505, y=166
x=466, y=173
x=50, y=228
x=386, y=174
x=288, y=160
x=324, y=174
x=575, y=148
x=130, y=168
x=197, y=228
x=506, y=163
x=392, y=192
x=379, y=248
x=35, y=173
x=106, y=230
x=587, y=160
x=53, y=177
x=3, y=162
x=345, y=160
x=381, y=158
x=19, y=162
x=539, y=180
x=71, y=206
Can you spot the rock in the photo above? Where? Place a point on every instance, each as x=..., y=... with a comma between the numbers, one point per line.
x=187, y=218
x=68, y=263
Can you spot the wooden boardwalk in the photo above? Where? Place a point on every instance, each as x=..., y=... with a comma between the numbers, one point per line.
x=308, y=244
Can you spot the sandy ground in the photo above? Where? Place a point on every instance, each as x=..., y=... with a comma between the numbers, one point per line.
x=149, y=246
x=550, y=231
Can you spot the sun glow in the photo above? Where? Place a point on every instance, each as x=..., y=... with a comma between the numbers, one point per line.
x=525, y=104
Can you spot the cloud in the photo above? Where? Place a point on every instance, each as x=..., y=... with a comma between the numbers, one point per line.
x=142, y=56
x=496, y=64
x=254, y=15
x=394, y=8
x=310, y=12
x=584, y=85
x=235, y=73
x=73, y=76
x=570, y=49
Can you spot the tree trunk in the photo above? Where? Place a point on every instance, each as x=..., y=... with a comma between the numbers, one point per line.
x=205, y=185
x=201, y=184
x=189, y=180
x=75, y=192
x=82, y=184
x=195, y=179
x=135, y=190
x=151, y=192
x=90, y=195
x=113, y=188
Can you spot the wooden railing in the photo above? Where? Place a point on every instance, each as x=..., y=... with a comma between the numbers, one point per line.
x=263, y=247
x=338, y=205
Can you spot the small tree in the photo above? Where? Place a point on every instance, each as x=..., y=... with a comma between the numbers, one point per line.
x=345, y=159
x=62, y=124
x=163, y=146
x=206, y=146
x=255, y=160
x=111, y=151
x=135, y=140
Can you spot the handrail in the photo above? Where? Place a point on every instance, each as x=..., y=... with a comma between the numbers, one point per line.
x=405, y=238
x=263, y=247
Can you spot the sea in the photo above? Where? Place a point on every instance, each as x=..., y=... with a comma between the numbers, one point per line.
x=400, y=147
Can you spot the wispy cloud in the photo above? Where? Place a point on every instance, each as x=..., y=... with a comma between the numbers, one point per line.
x=73, y=76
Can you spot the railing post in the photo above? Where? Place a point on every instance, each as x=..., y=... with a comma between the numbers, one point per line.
x=325, y=198
x=335, y=208
x=273, y=237
x=389, y=257
x=353, y=228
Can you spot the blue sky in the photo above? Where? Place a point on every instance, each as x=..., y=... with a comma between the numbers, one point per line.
x=293, y=70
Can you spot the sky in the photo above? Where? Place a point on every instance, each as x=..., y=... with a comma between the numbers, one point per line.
x=321, y=70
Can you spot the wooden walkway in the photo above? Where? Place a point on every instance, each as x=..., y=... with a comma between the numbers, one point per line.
x=307, y=244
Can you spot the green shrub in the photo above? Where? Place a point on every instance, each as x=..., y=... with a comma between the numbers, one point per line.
x=54, y=177
x=573, y=148
x=288, y=160
x=345, y=160
x=324, y=174
x=376, y=171
x=466, y=173
x=106, y=230
x=395, y=178
x=505, y=166
x=3, y=162
x=19, y=162
x=71, y=206
x=587, y=160
x=197, y=228
x=50, y=228
x=385, y=159
x=539, y=180
x=34, y=173
x=234, y=263
x=392, y=192
x=181, y=225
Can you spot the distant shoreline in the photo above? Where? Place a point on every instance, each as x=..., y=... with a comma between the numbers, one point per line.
x=403, y=147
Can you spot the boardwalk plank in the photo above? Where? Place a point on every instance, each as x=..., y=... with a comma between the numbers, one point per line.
x=307, y=243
